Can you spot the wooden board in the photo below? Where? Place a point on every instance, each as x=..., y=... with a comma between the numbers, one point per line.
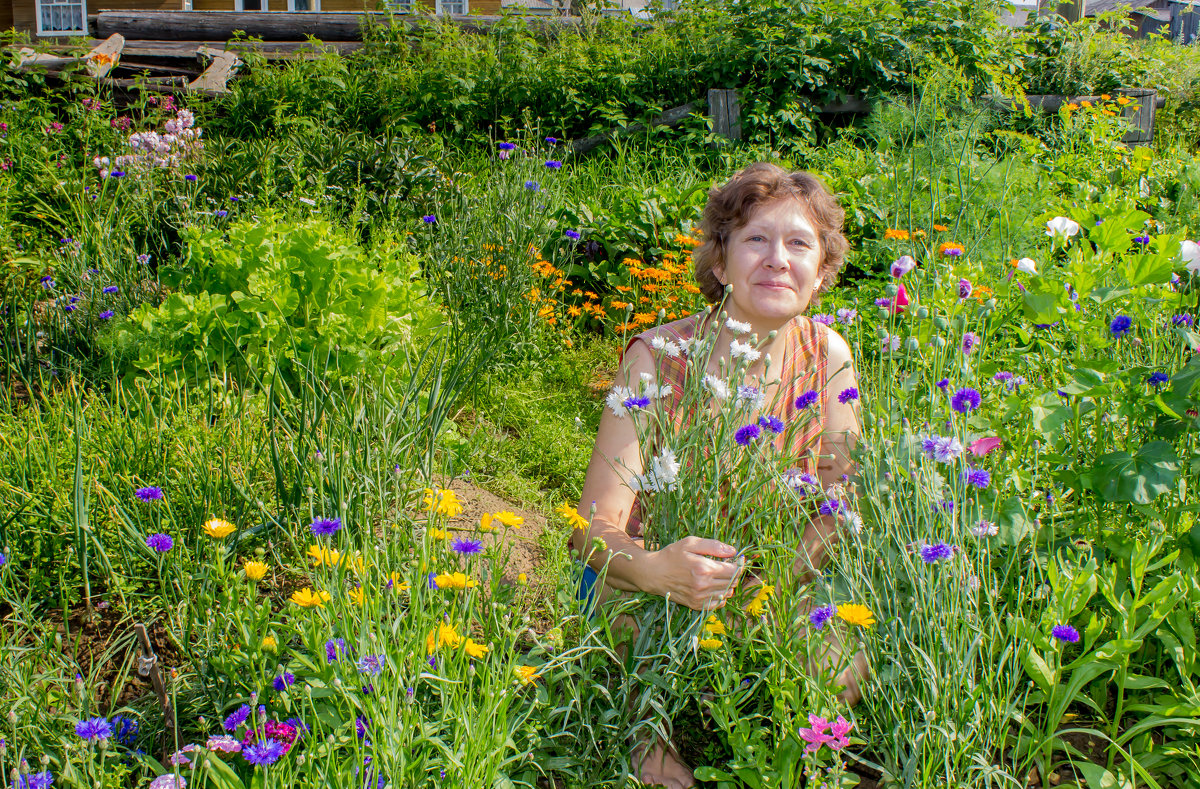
x=215, y=78
x=105, y=55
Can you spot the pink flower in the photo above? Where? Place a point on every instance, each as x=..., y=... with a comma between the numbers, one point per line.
x=981, y=446
x=840, y=728
x=900, y=302
x=816, y=736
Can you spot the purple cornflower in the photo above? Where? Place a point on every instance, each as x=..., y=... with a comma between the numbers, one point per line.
x=1065, y=633
x=824, y=319
x=432, y=662
x=943, y=449
x=746, y=434
x=220, y=213
x=635, y=403
x=160, y=542
x=429, y=219
x=465, y=546
x=190, y=177
x=362, y=727
x=883, y=302
x=1002, y=376
x=110, y=289
x=946, y=505
x=821, y=615
x=1120, y=326
x=847, y=395
x=334, y=649
x=772, y=423
x=151, y=493
x=965, y=401
x=506, y=146
x=807, y=399
x=325, y=526
x=552, y=140
x=571, y=234
x=532, y=186
x=1143, y=240
x=847, y=315
x=942, y=384
x=371, y=664
x=931, y=554
x=47, y=282
x=1182, y=320
x=143, y=259
x=93, y=729
x=553, y=164
x=970, y=342
x=237, y=717
x=264, y=753
x=106, y=315
x=42, y=780
x=284, y=681
x=977, y=477
x=830, y=507
x=965, y=288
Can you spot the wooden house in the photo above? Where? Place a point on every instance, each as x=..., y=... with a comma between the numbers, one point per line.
x=54, y=18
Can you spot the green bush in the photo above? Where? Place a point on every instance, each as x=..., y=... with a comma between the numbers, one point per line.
x=258, y=298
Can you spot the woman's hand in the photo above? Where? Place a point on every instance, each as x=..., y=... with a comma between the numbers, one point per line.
x=686, y=574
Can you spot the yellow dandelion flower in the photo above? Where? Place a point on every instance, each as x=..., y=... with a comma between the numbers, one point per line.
x=218, y=529
x=714, y=626
x=757, y=606
x=527, y=674
x=572, y=516
x=454, y=581
x=254, y=570
x=475, y=650
x=855, y=614
x=307, y=598
x=485, y=522
x=711, y=643
x=396, y=581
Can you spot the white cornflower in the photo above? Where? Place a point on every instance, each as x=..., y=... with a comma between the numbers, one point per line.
x=854, y=522
x=663, y=475
x=616, y=400
x=736, y=326
x=651, y=389
x=985, y=529
x=750, y=396
x=743, y=350
x=718, y=388
x=660, y=343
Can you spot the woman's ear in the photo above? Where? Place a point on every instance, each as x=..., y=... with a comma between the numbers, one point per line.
x=718, y=273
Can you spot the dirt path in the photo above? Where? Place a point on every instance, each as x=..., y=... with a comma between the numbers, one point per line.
x=526, y=554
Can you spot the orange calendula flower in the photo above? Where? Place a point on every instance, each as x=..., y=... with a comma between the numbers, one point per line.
x=527, y=674
x=940, y=228
x=1085, y=104
x=307, y=598
x=896, y=234
x=475, y=650
x=572, y=516
x=1072, y=107
x=1105, y=96
x=1122, y=100
x=951, y=249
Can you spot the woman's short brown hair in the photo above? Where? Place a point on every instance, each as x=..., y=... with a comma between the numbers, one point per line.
x=731, y=205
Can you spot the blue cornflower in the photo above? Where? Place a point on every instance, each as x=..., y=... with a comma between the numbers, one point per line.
x=820, y=616
x=572, y=234
x=160, y=542
x=1120, y=326
x=506, y=146
x=429, y=219
x=190, y=177
x=553, y=164
x=151, y=493
x=371, y=664
x=965, y=401
x=746, y=434
x=334, y=649
x=848, y=395
x=220, y=213
x=772, y=423
x=1158, y=379
x=1143, y=240
x=362, y=726
x=42, y=780
x=931, y=554
x=946, y=505
x=284, y=681
x=830, y=507
x=1065, y=633
x=977, y=477
x=1002, y=376
x=807, y=399
x=237, y=717
x=942, y=384
x=1182, y=320
x=532, y=186
x=465, y=546
x=3, y=560
x=883, y=302
x=47, y=282
x=93, y=729
x=126, y=730
x=106, y=315
x=552, y=140
x=110, y=289
x=264, y=753
x=325, y=526
x=635, y=403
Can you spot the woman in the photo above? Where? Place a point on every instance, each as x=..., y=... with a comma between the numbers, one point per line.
x=772, y=241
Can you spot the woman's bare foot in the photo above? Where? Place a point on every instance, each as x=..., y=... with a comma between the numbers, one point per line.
x=661, y=765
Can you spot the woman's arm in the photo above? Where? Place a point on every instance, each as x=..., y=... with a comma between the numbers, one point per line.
x=682, y=571
x=838, y=439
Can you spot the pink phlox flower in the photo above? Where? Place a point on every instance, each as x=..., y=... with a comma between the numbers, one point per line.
x=840, y=728
x=816, y=736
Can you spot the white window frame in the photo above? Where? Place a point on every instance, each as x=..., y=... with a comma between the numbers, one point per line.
x=37, y=11
x=240, y=5
x=441, y=6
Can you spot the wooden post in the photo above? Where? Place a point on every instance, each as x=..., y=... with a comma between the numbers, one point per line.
x=147, y=666
x=725, y=113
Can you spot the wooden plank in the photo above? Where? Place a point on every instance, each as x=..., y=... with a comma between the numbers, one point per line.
x=725, y=113
x=215, y=78
x=105, y=55
x=287, y=25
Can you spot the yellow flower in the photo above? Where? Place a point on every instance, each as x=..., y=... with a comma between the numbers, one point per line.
x=255, y=570
x=893, y=233
x=757, y=606
x=439, y=534
x=522, y=579
x=710, y=643
x=485, y=522
x=1105, y=96
x=270, y=643
x=442, y=635
x=323, y=557
x=510, y=519
x=856, y=615
x=355, y=595
x=397, y=582
x=454, y=581
x=573, y=518
x=1122, y=100
x=1086, y=104
x=528, y=674
x=307, y=598
x=475, y=650
x=219, y=529
x=442, y=502
x=714, y=626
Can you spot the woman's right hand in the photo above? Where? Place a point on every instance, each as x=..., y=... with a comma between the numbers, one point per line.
x=692, y=572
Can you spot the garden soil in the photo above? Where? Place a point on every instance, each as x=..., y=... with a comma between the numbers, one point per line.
x=522, y=545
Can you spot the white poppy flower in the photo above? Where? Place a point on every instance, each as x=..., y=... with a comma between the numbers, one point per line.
x=1061, y=226
x=1190, y=252
x=1027, y=265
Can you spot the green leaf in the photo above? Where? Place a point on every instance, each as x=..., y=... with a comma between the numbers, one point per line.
x=1140, y=478
x=1037, y=669
x=1096, y=777
x=711, y=774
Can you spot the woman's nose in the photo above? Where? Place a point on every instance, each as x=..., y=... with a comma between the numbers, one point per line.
x=777, y=256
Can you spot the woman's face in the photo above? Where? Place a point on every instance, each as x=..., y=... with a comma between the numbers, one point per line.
x=772, y=263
